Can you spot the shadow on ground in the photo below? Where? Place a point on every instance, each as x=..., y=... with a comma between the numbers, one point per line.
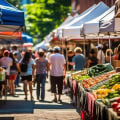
x=50, y=105
x=6, y=118
x=16, y=106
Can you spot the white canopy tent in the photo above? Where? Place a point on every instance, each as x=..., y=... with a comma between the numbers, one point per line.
x=91, y=28
x=70, y=20
x=41, y=45
x=106, y=24
x=74, y=27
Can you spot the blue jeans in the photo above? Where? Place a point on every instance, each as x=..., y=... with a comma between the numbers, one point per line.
x=17, y=80
x=40, y=79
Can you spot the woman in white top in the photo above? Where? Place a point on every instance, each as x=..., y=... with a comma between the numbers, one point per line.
x=27, y=76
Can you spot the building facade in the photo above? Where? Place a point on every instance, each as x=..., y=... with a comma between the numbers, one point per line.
x=81, y=5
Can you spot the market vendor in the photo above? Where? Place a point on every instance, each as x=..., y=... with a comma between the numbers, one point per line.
x=70, y=57
x=78, y=60
x=92, y=59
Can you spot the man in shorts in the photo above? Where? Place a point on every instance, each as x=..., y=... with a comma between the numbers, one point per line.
x=57, y=71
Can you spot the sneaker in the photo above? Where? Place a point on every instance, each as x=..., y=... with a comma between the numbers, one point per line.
x=59, y=101
x=54, y=100
x=37, y=97
x=42, y=100
x=18, y=85
x=49, y=90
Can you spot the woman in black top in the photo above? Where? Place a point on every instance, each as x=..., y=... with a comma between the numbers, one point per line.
x=92, y=59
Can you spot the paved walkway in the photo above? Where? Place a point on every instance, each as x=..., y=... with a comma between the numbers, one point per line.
x=16, y=108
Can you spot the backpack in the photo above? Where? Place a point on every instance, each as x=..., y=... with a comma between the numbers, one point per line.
x=23, y=66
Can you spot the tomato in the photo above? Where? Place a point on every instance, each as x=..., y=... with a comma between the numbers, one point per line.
x=118, y=100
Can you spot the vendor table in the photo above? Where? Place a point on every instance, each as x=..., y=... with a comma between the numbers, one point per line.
x=90, y=108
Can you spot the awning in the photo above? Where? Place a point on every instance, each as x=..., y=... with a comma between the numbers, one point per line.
x=11, y=35
x=12, y=19
x=74, y=29
x=26, y=38
x=106, y=24
x=41, y=45
x=70, y=20
x=27, y=44
x=91, y=28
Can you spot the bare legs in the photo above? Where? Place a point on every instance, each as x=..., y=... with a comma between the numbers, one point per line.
x=11, y=86
x=30, y=88
x=59, y=97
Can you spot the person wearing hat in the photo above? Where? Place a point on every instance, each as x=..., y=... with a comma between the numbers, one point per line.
x=41, y=74
x=50, y=52
x=57, y=71
x=100, y=54
x=5, y=62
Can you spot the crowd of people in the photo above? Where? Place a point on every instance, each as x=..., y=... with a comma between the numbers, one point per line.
x=51, y=65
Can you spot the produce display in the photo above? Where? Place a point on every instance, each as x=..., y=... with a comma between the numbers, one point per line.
x=91, y=76
x=103, y=82
x=99, y=69
x=80, y=78
x=116, y=106
x=86, y=83
x=110, y=89
x=76, y=75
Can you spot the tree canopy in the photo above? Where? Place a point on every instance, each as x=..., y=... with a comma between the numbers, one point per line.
x=15, y=3
x=42, y=16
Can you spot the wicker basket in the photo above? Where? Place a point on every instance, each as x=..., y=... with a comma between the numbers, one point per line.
x=116, y=63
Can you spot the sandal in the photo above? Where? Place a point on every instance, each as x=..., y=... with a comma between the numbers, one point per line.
x=25, y=98
x=54, y=100
x=32, y=98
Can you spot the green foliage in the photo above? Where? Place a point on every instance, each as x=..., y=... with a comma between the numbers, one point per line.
x=45, y=15
x=15, y=3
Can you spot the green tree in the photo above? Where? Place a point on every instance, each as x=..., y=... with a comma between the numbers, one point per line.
x=42, y=16
x=15, y=3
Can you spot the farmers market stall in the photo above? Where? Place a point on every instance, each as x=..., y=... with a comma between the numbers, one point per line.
x=96, y=92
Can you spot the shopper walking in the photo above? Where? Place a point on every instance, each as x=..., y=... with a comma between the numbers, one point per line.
x=57, y=71
x=5, y=62
x=50, y=52
x=14, y=69
x=18, y=57
x=26, y=77
x=41, y=73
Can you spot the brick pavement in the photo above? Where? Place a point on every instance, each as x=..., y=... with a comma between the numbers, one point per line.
x=16, y=108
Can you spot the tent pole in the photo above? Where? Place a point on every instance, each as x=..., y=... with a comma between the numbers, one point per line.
x=109, y=46
x=98, y=39
x=66, y=42
x=62, y=47
x=62, y=40
x=84, y=45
